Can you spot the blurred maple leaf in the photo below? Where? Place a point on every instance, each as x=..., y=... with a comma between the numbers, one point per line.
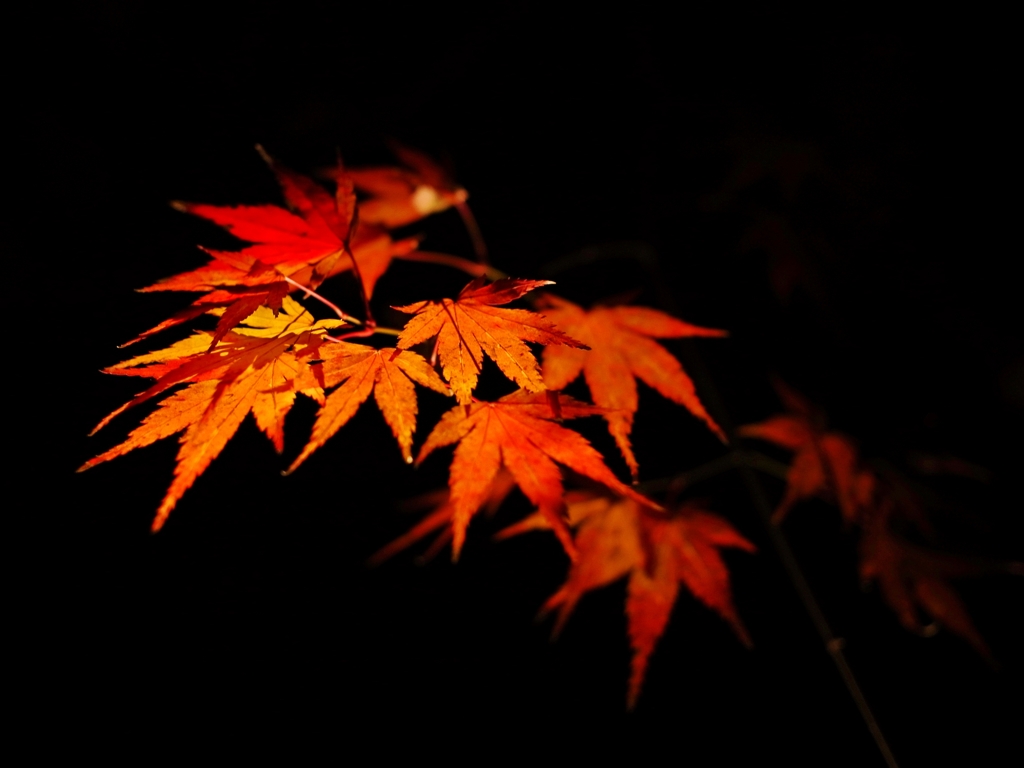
x=439, y=519
x=622, y=350
x=402, y=195
x=398, y=196
x=617, y=537
x=912, y=577
x=825, y=463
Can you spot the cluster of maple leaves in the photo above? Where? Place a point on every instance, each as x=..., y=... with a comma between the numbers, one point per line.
x=913, y=579
x=266, y=348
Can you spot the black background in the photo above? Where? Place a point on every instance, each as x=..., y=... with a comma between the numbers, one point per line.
x=697, y=159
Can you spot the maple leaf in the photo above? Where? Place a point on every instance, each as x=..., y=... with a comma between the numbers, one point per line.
x=911, y=577
x=471, y=325
x=399, y=196
x=257, y=369
x=322, y=238
x=825, y=463
x=403, y=195
x=622, y=350
x=516, y=432
x=616, y=537
x=235, y=303
x=317, y=234
x=440, y=518
x=372, y=248
x=388, y=373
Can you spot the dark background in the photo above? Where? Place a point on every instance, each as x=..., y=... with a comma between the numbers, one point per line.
x=831, y=189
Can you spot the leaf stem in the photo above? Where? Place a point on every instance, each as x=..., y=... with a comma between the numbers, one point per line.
x=457, y=262
x=735, y=459
x=365, y=332
x=329, y=304
x=469, y=220
x=370, y=322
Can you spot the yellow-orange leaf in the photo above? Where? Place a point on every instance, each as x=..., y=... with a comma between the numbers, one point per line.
x=259, y=373
x=228, y=360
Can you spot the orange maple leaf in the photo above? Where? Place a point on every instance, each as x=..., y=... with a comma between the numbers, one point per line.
x=388, y=373
x=470, y=326
x=622, y=350
x=825, y=463
x=617, y=537
x=517, y=432
x=257, y=369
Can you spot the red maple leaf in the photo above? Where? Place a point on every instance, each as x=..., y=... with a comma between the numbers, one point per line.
x=320, y=236
x=315, y=232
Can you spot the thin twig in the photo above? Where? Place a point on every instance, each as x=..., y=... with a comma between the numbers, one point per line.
x=833, y=645
x=706, y=471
